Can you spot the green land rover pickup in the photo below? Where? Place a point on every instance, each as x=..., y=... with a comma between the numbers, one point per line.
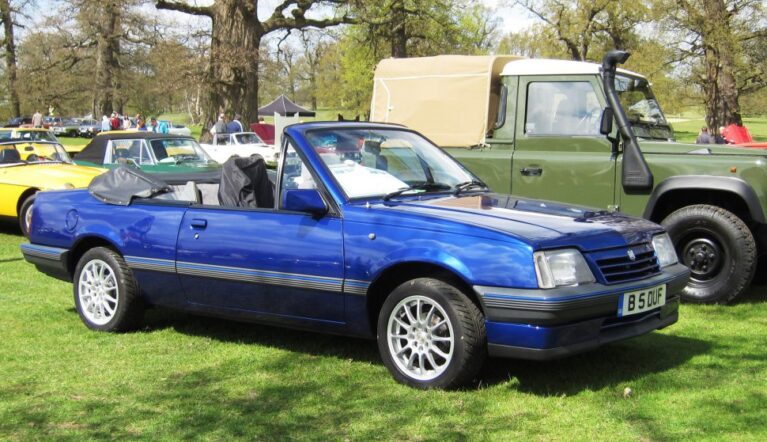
x=593, y=135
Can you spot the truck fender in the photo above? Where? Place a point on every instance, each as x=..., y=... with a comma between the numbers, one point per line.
x=733, y=185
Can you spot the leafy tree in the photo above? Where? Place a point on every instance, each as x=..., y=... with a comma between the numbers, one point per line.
x=585, y=28
x=724, y=42
x=236, y=35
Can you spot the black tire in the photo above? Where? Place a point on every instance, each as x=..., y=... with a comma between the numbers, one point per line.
x=469, y=338
x=719, y=249
x=128, y=310
x=25, y=213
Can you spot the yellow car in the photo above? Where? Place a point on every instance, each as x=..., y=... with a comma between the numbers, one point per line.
x=27, y=168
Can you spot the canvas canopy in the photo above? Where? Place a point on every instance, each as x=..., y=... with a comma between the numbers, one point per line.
x=452, y=99
x=283, y=106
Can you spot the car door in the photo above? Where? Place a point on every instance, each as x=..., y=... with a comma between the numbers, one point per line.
x=559, y=152
x=264, y=260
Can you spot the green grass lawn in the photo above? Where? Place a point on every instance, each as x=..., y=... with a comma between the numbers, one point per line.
x=187, y=377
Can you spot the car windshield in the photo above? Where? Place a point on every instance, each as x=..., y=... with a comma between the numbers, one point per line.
x=36, y=135
x=642, y=108
x=40, y=152
x=248, y=138
x=380, y=162
x=175, y=150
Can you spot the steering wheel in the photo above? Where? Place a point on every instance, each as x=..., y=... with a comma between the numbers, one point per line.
x=33, y=157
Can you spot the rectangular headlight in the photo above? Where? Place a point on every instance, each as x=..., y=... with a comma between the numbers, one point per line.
x=664, y=250
x=561, y=267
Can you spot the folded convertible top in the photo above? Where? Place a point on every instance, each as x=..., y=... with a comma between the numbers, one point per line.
x=119, y=186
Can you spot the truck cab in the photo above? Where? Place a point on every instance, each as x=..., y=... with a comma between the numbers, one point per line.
x=593, y=135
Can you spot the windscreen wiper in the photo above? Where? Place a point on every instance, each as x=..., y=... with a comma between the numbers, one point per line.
x=428, y=187
x=461, y=187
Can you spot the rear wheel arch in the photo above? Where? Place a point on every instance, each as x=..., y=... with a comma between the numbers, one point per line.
x=82, y=246
x=391, y=277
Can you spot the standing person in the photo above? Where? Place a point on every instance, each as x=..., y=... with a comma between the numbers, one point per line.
x=220, y=126
x=105, y=124
x=141, y=125
x=235, y=125
x=114, y=122
x=704, y=137
x=163, y=127
x=719, y=138
x=152, y=125
x=126, y=122
x=37, y=119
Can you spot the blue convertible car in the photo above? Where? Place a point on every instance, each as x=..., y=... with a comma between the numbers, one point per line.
x=366, y=230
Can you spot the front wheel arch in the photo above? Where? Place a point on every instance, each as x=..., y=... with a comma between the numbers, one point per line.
x=391, y=277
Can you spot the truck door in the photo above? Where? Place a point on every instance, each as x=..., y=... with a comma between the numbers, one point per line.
x=559, y=153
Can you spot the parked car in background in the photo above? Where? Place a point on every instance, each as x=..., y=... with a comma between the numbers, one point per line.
x=68, y=127
x=176, y=129
x=89, y=127
x=398, y=243
x=27, y=168
x=27, y=134
x=18, y=121
x=242, y=144
x=173, y=156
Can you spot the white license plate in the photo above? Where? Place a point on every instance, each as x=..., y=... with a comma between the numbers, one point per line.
x=643, y=300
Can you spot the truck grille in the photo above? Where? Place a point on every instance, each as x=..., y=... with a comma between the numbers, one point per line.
x=617, y=265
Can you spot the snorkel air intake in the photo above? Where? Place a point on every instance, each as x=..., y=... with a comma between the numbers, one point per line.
x=636, y=176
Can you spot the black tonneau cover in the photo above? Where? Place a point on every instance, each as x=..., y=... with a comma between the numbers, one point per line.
x=119, y=186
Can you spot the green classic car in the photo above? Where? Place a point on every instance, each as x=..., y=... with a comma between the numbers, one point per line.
x=175, y=157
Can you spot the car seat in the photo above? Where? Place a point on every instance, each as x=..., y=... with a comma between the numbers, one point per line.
x=10, y=156
x=245, y=183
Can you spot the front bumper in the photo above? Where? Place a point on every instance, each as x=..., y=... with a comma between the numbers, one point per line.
x=548, y=324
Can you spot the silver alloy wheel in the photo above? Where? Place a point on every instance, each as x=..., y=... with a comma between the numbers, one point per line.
x=420, y=337
x=28, y=219
x=98, y=292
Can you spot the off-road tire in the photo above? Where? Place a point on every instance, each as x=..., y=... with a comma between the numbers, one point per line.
x=129, y=313
x=702, y=231
x=24, y=210
x=468, y=325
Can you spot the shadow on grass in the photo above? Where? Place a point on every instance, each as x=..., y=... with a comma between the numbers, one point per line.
x=612, y=364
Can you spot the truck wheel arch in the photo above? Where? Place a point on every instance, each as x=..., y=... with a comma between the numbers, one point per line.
x=730, y=193
x=391, y=277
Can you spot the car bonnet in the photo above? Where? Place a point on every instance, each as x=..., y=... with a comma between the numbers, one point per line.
x=544, y=224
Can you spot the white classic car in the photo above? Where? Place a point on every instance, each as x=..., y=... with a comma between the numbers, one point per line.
x=243, y=144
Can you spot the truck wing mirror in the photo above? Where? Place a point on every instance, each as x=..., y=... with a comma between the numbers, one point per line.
x=304, y=200
x=606, y=124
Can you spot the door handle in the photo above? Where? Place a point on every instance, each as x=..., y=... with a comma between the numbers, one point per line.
x=198, y=223
x=531, y=171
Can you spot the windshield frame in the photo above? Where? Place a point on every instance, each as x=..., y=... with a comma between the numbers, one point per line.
x=325, y=168
x=646, y=126
x=57, y=146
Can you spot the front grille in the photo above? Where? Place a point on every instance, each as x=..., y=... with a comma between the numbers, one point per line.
x=617, y=266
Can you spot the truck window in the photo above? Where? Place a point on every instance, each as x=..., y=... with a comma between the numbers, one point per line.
x=562, y=108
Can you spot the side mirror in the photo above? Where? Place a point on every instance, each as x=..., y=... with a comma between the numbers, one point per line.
x=304, y=200
x=606, y=124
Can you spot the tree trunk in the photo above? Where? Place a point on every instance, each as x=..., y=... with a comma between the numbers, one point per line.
x=233, y=72
x=10, y=56
x=399, y=32
x=107, y=65
x=721, y=91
